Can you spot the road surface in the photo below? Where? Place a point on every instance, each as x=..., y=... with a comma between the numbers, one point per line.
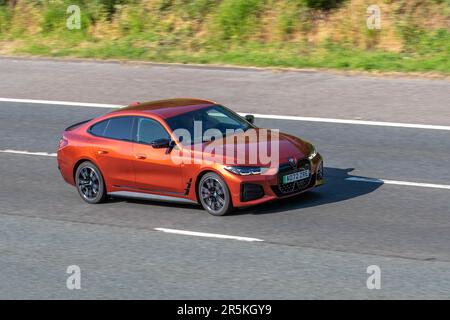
x=317, y=245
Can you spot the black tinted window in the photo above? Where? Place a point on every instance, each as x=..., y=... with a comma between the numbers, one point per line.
x=215, y=117
x=119, y=128
x=149, y=130
x=99, y=128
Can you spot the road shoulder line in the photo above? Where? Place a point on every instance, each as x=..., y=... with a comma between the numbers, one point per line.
x=260, y=116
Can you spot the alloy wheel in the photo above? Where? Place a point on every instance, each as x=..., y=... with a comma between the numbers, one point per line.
x=88, y=183
x=213, y=194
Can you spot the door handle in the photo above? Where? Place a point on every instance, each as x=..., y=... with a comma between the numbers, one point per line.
x=102, y=152
x=141, y=157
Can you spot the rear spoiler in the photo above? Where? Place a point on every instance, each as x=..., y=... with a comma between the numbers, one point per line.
x=76, y=125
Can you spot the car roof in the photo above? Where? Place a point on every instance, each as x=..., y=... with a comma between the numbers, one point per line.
x=167, y=108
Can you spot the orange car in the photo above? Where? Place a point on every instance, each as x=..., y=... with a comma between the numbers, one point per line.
x=185, y=150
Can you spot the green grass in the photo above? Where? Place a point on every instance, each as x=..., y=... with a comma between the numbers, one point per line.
x=169, y=32
x=333, y=56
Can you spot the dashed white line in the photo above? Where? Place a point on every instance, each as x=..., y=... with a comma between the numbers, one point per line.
x=62, y=103
x=400, y=183
x=369, y=180
x=44, y=154
x=358, y=179
x=208, y=235
x=261, y=116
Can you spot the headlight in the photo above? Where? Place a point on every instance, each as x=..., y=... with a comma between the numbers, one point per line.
x=246, y=171
x=313, y=153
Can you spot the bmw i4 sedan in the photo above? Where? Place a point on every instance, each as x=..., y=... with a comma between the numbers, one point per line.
x=189, y=151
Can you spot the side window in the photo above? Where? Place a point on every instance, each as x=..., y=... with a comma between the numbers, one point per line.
x=119, y=128
x=99, y=128
x=149, y=130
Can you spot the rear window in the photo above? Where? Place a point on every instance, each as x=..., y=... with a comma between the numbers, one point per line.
x=116, y=128
x=99, y=128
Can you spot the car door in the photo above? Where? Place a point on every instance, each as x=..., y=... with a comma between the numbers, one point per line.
x=154, y=170
x=112, y=147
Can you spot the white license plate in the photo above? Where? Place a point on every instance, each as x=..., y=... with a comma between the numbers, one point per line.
x=296, y=176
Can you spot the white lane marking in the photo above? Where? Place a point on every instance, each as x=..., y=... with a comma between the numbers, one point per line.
x=380, y=181
x=44, y=154
x=207, y=235
x=401, y=183
x=62, y=103
x=360, y=122
x=261, y=116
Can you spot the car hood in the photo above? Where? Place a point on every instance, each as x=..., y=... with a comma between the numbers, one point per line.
x=257, y=145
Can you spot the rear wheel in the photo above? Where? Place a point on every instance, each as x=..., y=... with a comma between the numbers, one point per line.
x=214, y=195
x=90, y=184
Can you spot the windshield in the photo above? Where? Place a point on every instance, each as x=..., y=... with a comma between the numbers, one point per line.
x=214, y=117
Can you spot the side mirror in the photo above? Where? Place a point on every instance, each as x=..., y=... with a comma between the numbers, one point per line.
x=161, y=143
x=250, y=118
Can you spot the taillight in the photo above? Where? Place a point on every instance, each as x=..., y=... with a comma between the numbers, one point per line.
x=62, y=143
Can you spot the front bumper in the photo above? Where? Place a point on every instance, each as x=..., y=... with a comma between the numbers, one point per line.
x=256, y=189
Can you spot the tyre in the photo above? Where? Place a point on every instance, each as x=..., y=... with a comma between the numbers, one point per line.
x=214, y=195
x=90, y=184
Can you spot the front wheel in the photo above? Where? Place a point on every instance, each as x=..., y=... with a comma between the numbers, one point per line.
x=214, y=195
x=90, y=183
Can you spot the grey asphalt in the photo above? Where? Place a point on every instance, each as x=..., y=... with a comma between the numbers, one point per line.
x=271, y=92
x=317, y=245
x=130, y=263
